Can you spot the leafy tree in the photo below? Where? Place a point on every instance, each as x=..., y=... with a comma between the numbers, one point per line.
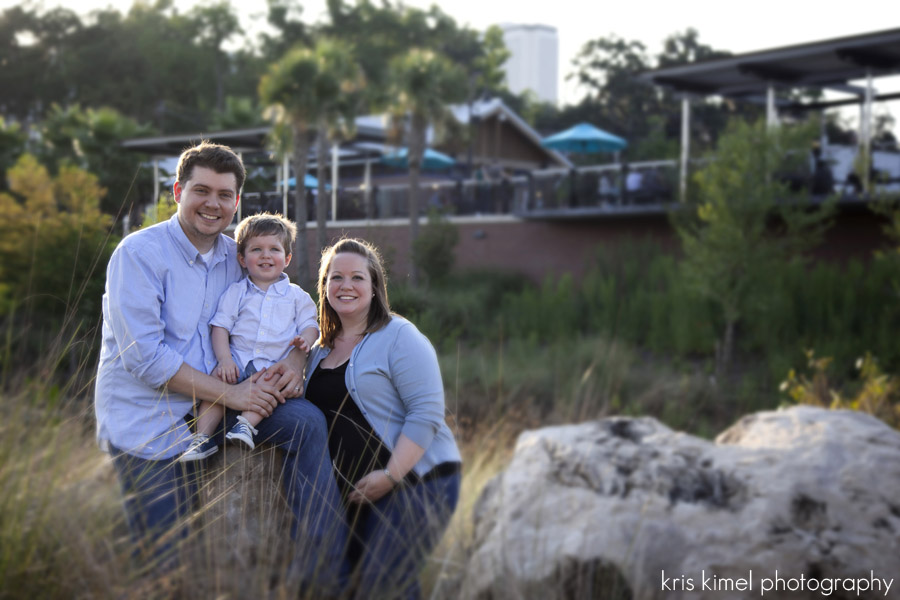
x=54, y=243
x=433, y=252
x=284, y=17
x=745, y=222
x=91, y=140
x=240, y=112
x=608, y=69
x=216, y=23
x=12, y=146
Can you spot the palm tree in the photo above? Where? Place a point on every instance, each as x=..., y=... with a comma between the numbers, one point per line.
x=339, y=86
x=424, y=84
x=305, y=90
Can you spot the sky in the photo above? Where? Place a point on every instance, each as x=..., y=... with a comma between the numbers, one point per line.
x=736, y=27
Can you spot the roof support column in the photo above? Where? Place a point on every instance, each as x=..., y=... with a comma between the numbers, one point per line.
x=771, y=112
x=334, y=181
x=240, y=200
x=865, y=137
x=367, y=191
x=155, y=181
x=286, y=169
x=685, y=147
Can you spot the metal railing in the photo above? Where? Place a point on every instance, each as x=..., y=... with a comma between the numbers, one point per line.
x=608, y=189
x=520, y=194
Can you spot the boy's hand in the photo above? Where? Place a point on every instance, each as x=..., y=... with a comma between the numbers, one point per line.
x=300, y=344
x=228, y=371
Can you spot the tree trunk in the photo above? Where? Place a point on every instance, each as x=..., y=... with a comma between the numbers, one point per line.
x=321, y=203
x=414, y=155
x=724, y=354
x=301, y=255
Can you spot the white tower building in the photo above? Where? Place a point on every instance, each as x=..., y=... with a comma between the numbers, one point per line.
x=534, y=59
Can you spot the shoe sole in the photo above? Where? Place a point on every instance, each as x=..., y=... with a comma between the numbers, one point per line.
x=198, y=455
x=236, y=439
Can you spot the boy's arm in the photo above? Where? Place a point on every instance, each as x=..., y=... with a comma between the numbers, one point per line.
x=304, y=342
x=227, y=370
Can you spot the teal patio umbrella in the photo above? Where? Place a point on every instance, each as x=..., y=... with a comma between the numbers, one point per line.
x=432, y=160
x=584, y=138
x=309, y=182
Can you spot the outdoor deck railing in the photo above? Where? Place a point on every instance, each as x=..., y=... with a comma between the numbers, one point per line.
x=608, y=189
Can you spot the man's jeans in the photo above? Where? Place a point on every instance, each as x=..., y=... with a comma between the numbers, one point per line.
x=158, y=493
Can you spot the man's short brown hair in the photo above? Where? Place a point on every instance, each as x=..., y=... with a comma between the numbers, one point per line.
x=217, y=157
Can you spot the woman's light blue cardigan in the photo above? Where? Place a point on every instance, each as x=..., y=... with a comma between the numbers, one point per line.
x=394, y=378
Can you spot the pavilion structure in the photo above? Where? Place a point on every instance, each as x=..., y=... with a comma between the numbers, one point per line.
x=836, y=64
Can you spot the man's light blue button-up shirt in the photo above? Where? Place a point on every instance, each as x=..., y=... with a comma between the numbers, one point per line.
x=160, y=296
x=263, y=323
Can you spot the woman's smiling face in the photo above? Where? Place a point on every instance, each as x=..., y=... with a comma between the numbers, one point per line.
x=349, y=285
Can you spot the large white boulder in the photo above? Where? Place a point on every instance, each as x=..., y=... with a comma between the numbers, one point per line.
x=797, y=503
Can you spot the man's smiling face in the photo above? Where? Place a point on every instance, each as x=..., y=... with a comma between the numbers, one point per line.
x=206, y=205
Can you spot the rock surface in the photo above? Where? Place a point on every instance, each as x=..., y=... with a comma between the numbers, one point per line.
x=628, y=508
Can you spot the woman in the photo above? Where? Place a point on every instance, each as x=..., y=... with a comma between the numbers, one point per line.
x=376, y=379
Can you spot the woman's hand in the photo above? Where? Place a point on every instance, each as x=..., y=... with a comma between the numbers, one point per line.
x=370, y=488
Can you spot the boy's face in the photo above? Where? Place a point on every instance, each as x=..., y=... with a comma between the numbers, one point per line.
x=265, y=259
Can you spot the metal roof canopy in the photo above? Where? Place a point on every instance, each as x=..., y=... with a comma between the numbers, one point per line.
x=829, y=64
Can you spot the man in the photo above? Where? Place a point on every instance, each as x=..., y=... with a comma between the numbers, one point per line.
x=163, y=285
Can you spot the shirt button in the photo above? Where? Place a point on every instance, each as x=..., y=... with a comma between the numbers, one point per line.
x=191, y=262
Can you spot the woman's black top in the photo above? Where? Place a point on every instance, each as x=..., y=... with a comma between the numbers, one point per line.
x=355, y=447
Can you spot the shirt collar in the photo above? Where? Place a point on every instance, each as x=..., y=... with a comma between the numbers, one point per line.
x=279, y=288
x=187, y=249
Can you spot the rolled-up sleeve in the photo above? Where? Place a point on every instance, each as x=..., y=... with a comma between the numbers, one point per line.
x=417, y=376
x=134, y=305
x=229, y=306
x=305, y=310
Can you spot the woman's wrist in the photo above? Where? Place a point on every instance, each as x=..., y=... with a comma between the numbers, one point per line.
x=394, y=481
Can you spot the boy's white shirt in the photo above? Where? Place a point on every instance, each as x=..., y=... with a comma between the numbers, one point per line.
x=262, y=324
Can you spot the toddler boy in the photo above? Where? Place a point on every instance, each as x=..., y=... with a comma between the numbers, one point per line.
x=257, y=320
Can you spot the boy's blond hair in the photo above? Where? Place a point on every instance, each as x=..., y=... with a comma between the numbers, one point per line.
x=265, y=224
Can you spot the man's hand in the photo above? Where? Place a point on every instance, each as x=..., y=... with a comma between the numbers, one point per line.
x=286, y=375
x=227, y=371
x=254, y=394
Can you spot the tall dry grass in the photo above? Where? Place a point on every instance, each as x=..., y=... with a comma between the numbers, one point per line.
x=62, y=528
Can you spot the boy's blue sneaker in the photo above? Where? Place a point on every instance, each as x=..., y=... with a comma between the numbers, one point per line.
x=242, y=432
x=201, y=446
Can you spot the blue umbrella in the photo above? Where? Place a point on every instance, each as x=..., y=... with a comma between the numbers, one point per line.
x=586, y=139
x=308, y=181
x=431, y=160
